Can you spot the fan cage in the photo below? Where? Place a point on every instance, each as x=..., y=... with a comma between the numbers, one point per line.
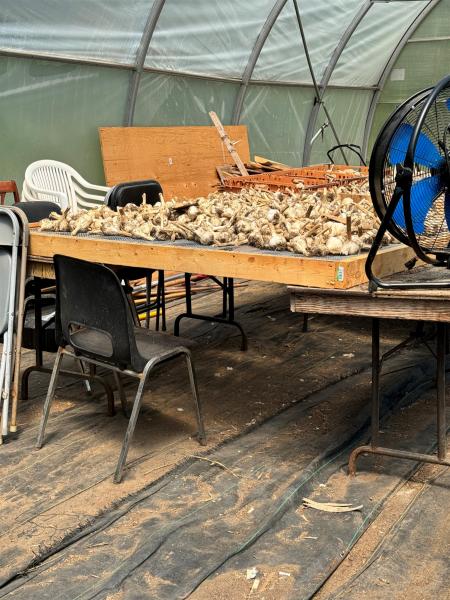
x=430, y=224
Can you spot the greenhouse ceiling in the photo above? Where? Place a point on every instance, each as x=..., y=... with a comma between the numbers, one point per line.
x=294, y=71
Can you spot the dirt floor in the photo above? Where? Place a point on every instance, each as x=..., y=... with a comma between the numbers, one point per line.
x=228, y=521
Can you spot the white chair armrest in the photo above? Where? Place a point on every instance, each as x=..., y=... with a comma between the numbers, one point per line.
x=61, y=196
x=87, y=185
x=100, y=188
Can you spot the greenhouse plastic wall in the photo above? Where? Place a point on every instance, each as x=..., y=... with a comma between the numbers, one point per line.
x=424, y=60
x=68, y=68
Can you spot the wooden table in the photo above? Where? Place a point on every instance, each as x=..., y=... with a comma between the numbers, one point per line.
x=325, y=273
x=425, y=305
x=244, y=262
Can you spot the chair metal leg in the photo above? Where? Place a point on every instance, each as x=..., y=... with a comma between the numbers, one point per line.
x=148, y=296
x=198, y=409
x=86, y=381
x=122, y=396
x=161, y=286
x=49, y=398
x=131, y=426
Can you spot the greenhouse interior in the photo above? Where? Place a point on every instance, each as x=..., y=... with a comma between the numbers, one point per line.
x=224, y=299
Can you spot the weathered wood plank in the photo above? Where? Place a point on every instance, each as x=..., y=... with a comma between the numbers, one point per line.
x=372, y=306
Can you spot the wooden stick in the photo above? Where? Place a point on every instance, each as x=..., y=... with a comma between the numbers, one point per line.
x=336, y=218
x=216, y=463
x=228, y=143
x=271, y=163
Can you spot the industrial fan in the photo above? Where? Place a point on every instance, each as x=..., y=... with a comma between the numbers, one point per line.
x=409, y=181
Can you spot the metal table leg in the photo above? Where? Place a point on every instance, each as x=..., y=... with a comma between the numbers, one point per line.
x=225, y=318
x=440, y=390
x=373, y=447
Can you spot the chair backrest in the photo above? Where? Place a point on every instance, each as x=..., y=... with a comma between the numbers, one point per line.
x=8, y=187
x=92, y=313
x=38, y=210
x=46, y=176
x=132, y=192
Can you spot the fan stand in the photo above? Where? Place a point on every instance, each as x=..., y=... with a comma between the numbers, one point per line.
x=403, y=181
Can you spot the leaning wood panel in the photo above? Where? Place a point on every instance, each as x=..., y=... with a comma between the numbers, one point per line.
x=244, y=262
x=182, y=159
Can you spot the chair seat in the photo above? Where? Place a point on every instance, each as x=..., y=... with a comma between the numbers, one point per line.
x=149, y=343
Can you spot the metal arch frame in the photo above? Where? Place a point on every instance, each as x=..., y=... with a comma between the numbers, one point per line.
x=388, y=67
x=141, y=53
x=363, y=10
x=139, y=66
x=253, y=58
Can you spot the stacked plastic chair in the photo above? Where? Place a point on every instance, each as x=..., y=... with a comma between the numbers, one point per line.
x=57, y=182
x=13, y=264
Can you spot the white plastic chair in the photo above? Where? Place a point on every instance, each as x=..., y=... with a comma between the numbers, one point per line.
x=60, y=183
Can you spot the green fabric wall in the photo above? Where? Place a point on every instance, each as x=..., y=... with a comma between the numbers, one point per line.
x=424, y=63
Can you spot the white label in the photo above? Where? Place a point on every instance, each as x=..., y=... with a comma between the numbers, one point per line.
x=340, y=274
x=397, y=75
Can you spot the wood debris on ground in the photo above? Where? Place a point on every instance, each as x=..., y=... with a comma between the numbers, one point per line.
x=333, y=507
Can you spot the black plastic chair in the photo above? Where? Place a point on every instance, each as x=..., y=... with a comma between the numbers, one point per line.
x=132, y=192
x=103, y=333
x=39, y=315
x=38, y=209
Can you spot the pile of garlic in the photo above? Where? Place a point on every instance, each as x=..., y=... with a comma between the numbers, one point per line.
x=336, y=220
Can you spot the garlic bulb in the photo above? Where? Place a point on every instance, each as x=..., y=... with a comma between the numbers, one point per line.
x=334, y=245
x=328, y=221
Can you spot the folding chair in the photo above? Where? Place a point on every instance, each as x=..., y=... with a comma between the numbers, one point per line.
x=10, y=281
x=38, y=331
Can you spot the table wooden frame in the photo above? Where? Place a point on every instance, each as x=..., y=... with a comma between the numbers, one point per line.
x=239, y=263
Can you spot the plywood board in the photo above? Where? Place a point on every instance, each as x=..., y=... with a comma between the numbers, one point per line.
x=182, y=159
x=244, y=262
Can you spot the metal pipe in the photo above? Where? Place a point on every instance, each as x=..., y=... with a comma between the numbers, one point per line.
x=324, y=83
x=440, y=390
x=253, y=58
x=145, y=69
x=140, y=60
x=64, y=58
x=313, y=77
x=376, y=367
x=393, y=453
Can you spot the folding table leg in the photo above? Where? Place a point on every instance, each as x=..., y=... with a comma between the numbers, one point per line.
x=440, y=390
x=374, y=446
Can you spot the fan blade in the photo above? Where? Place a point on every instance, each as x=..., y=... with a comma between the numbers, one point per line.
x=426, y=153
x=423, y=194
